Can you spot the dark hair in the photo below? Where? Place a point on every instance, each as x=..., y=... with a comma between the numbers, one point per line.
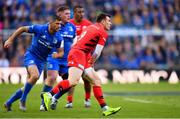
x=62, y=8
x=77, y=6
x=56, y=17
x=102, y=16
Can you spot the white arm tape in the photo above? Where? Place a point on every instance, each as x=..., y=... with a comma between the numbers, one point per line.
x=75, y=40
x=98, y=50
x=62, y=44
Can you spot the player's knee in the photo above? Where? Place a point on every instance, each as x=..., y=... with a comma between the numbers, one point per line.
x=73, y=82
x=34, y=76
x=52, y=75
x=97, y=82
x=49, y=82
x=51, y=78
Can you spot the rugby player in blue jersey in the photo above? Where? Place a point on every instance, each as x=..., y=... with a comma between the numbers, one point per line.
x=59, y=66
x=46, y=37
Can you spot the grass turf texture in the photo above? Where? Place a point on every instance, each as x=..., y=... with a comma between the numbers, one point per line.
x=152, y=101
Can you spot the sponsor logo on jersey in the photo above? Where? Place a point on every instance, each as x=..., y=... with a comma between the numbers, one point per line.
x=70, y=28
x=67, y=35
x=55, y=40
x=31, y=61
x=46, y=44
x=50, y=66
x=65, y=32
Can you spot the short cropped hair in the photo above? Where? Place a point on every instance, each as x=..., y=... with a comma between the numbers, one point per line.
x=55, y=17
x=102, y=16
x=62, y=8
x=77, y=6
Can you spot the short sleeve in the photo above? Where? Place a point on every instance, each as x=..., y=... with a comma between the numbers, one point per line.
x=35, y=28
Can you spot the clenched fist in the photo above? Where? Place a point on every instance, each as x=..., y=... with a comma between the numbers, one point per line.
x=8, y=42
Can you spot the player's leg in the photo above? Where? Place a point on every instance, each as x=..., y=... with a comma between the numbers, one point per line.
x=69, y=98
x=52, y=73
x=76, y=63
x=87, y=88
x=63, y=86
x=33, y=77
x=49, y=82
x=29, y=60
x=63, y=72
x=17, y=95
x=87, y=85
x=55, y=98
x=34, y=68
x=98, y=93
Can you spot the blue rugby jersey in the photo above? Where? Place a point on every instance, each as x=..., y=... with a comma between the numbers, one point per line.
x=43, y=42
x=68, y=32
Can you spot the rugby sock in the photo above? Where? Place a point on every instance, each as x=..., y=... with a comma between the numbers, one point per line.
x=27, y=88
x=87, y=96
x=70, y=98
x=17, y=95
x=46, y=88
x=62, y=86
x=104, y=108
x=99, y=95
x=87, y=88
x=59, y=94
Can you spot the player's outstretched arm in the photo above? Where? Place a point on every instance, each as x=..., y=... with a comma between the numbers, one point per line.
x=18, y=32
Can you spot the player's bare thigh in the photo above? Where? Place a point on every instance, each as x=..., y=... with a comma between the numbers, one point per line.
x=51, y=77
x=74, y=75
x=33, y=74
x=91, y=75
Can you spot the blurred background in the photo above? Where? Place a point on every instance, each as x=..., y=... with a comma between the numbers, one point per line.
x=145, y=33
x=143, y=48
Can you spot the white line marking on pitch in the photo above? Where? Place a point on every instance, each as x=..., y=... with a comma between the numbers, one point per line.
x=137, y=100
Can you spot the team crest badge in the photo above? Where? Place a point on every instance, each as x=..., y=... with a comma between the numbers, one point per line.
x=55, y=40
x=70, y=29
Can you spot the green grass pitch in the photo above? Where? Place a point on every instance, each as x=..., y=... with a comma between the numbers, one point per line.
x=137, y=100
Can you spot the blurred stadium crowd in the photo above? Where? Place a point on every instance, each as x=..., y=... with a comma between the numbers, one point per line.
x=127, y=52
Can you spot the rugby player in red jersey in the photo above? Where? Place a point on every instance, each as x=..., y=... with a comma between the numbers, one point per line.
x=81, y=23
x=91, y=41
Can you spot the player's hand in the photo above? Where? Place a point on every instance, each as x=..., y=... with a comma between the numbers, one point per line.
x=8, y=43
x=55, y=55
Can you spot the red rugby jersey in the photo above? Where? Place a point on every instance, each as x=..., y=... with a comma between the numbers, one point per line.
x=80, y=26
x=90, y=37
